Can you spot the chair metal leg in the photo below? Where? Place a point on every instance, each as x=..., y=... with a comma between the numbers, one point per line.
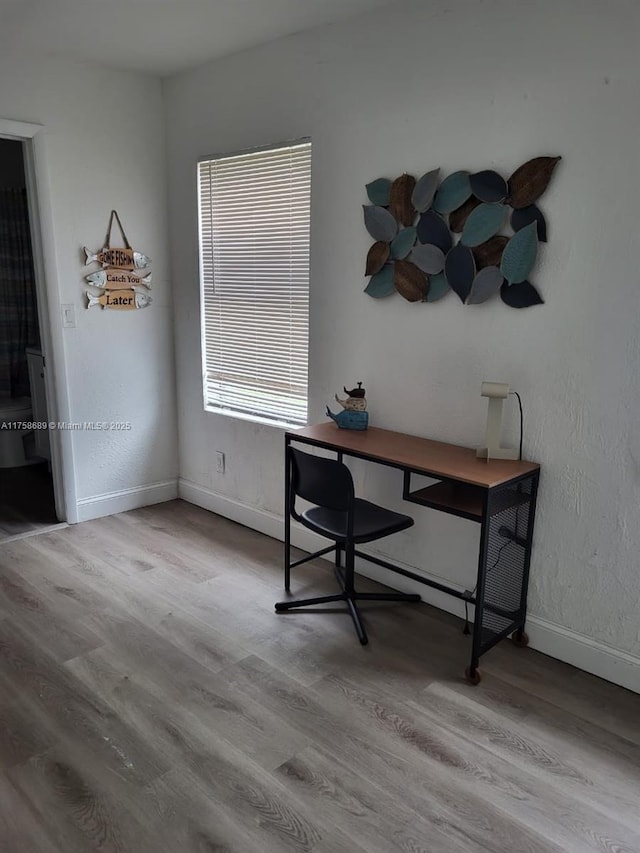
x=349, y=570
x=357, y=621
x=287, y=564
x=307, y=602
x=383, y=596
x=345, y=576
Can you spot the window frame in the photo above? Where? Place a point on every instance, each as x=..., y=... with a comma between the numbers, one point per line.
x=219, y=409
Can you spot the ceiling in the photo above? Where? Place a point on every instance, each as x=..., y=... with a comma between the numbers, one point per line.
x=160, y=36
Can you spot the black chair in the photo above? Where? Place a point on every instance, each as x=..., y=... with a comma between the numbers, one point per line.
x=338, y=515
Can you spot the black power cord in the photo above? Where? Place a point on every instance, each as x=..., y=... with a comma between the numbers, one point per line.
x=466, y=629
x=515, y=394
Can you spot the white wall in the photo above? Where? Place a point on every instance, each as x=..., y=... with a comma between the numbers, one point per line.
x=465, y=85
x=102, y=147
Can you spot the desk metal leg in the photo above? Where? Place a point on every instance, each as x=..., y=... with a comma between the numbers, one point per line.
x=287, y=515
x=503, y=568
x=520, y=637
x=472, y=673
x=339, y=548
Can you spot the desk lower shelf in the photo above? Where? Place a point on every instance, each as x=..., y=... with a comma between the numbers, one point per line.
x=465, y=500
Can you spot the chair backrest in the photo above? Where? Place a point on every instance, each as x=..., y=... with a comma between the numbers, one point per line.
x=323, y=482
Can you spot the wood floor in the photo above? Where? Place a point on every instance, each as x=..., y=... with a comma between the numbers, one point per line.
x=151, y=700
x=26, y=500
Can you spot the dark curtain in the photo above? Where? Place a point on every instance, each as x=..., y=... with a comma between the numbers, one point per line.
x=18, y=312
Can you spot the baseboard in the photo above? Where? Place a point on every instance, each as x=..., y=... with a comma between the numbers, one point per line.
x=258, y=519
x=547, y=637
x=126, y=499
x=590, y=655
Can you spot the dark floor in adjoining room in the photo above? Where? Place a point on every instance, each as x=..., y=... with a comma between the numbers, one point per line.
x=26, y=499
x=151, y=700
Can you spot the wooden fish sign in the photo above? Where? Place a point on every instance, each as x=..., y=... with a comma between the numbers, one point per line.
x=125, y=277
x=122, y=259
x=117, y=279
x=121, y=300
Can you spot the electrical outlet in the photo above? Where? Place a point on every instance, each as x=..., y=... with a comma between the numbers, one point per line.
x=219, y=462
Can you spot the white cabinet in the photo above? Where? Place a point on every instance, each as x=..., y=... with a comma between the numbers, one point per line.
x=37, y=379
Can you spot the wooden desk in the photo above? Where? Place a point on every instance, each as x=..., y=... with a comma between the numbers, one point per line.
x=500, y=495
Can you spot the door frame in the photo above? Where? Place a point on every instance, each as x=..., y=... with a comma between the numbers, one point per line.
x=32, y=137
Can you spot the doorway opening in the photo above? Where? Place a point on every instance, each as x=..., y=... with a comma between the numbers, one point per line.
x=27, y=498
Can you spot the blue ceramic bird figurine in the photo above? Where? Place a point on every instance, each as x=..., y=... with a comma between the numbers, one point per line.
x=354, y=414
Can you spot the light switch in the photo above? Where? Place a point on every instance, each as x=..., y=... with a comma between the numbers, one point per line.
x=68, y=316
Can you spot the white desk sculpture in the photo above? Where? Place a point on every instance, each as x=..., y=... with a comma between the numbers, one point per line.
x=496, y=392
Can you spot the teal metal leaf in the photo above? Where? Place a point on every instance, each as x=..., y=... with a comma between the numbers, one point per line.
x=485, y=285
x=379, y=223
x=458, y=217
x=460, y=269
x=519, y=255
x=453, y=191
x=522, y=217
x=424, y=191
x=381, y=284
x=483, y=223
x=521, y=295
x=438, y=287
x=403, y=243
x=378, y=191
x=428, y=258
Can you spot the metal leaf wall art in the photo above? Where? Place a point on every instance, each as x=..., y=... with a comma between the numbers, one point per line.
x=433, y=235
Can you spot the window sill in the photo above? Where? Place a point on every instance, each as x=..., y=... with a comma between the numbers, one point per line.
x=254, y=419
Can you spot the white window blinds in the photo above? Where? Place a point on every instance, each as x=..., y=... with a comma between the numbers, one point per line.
x=254, y=273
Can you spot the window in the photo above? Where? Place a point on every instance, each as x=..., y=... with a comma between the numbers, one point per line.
x=254, y=282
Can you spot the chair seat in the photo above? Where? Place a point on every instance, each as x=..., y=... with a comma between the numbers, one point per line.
x=370, y=522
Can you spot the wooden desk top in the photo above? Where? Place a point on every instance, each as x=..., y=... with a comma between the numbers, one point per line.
x=432, y=458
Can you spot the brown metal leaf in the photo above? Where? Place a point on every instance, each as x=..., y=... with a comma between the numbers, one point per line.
x=410, y=282
x=400, y=204
x=459, y=216
x=377, y=257
x=489, y=254
x=527, y=183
